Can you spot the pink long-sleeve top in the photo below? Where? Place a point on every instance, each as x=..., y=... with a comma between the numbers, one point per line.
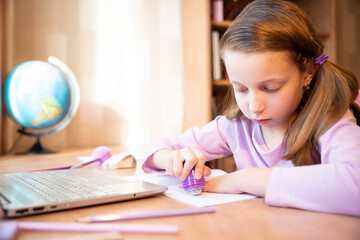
x=332, y=186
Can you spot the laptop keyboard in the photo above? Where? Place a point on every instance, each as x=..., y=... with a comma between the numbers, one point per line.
x=57, y=186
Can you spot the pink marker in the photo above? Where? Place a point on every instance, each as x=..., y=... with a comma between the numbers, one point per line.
x=142, y=215
x=100, y=155
x=13, y=228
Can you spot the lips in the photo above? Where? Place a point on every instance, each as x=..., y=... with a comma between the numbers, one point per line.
x=261, y=121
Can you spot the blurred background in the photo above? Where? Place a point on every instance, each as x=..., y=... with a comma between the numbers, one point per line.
x=126, y=55
x=143, y=66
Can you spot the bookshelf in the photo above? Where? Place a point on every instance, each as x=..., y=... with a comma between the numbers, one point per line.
x=200, y=105
x=322, y=13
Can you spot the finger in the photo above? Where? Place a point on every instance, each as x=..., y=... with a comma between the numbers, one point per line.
x=208, y=186
x=199, y=166
x=207, y=171
x=169, y=166
x=190, y=161
x=177, y=162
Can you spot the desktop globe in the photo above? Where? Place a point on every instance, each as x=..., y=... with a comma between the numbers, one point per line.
x=42, y=97
x=37, y=95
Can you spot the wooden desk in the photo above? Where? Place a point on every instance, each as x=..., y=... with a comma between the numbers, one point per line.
x=249, y=219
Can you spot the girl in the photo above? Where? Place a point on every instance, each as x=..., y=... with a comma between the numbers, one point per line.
x=292, y=124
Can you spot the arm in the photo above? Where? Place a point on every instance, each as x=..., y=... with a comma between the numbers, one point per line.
x=179, y=155
x=249, y=180
x=332, y=186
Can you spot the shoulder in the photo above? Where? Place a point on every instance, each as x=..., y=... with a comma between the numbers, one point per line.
x=357, y=100
x=342, y=140
x=345, y=127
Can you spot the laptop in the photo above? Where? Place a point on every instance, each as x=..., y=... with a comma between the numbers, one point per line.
x=29, y=193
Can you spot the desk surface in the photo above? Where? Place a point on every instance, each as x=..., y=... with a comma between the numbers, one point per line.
x=249, y=219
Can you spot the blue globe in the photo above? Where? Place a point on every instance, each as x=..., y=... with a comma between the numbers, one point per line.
x=37, y=95
x=42, y=97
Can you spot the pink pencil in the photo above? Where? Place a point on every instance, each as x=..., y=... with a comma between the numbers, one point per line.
x=83, y=227
x=141, y=215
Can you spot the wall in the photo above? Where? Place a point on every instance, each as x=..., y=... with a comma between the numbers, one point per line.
x=127, y=56
x=1, y=64
x=348, y=25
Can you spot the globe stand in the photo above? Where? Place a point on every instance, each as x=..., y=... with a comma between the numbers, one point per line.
x=37, y=148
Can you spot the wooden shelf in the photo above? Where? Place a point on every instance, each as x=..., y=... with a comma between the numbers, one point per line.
x=221, y=83
x=197, y=24
x=323, y=34
x=321, y=12
x=227, y=23
x=222, y=25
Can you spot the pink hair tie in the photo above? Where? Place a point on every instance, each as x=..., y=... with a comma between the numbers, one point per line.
x=321, y=59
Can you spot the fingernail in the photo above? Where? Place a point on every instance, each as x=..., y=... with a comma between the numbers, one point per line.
x=198, y=175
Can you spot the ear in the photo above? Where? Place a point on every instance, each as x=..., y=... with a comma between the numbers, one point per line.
x=310, y=71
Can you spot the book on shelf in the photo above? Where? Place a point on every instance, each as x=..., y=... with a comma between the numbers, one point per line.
x=214, y=106
x=218, y=10
x=216, y=62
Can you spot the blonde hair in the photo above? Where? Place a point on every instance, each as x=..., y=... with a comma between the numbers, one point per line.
x=274, y=25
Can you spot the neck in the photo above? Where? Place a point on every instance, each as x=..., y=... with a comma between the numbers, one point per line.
x=272, y=137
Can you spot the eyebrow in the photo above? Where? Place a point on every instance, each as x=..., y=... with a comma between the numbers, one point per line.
x=264, y=82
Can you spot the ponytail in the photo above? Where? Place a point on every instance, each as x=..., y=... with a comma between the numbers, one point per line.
x=332, y=92
x=271, y=25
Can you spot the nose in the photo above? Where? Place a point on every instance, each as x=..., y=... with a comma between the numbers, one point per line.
x=256, y=103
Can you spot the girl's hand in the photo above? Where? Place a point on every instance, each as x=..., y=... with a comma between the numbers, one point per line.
x=180, y=162
x=249, y=180
x=221, y=184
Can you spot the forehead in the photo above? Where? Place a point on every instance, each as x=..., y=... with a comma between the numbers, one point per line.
x=259, y=65
x=258, y=57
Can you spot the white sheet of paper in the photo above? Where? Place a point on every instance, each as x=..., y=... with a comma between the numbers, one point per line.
x=176, y=192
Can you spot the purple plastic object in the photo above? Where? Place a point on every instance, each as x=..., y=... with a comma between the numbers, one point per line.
x=100, y=155
x=192, y=185
x=103, y=153
x=321, y=59
x=9, y=230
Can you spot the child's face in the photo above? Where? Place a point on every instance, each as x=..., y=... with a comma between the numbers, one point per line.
x=268, y=86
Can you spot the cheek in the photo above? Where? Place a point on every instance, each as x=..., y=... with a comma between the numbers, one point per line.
x=240, y=102
x=289, y=102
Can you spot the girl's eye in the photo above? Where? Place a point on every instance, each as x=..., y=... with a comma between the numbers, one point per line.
x=271, y=90
x=241, y=90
